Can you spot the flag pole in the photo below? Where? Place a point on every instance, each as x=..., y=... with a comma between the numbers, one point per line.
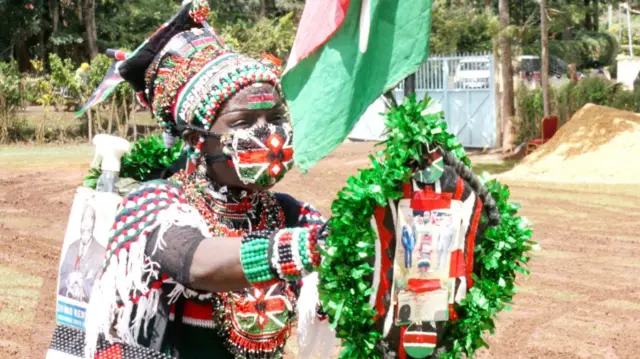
x=410, y=85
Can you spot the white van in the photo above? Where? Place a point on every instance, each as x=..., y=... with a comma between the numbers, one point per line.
x=473, y=73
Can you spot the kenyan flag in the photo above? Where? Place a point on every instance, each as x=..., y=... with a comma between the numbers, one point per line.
x=418, y=343
x=347, y=53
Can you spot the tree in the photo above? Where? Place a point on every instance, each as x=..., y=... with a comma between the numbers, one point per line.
x=88, y=13
x=508, y=109
x=544, y=72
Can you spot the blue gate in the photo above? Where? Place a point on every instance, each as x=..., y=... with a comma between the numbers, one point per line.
x=463, y=86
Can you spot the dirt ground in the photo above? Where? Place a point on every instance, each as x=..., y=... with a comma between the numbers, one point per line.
x=582, y=300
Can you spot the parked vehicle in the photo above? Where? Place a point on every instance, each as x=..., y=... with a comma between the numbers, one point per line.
x=473, y=73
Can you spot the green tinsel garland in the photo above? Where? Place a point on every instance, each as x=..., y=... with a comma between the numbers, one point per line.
x=148, y=157
x=343, y=290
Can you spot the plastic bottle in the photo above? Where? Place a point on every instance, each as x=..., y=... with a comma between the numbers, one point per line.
x=109, y=152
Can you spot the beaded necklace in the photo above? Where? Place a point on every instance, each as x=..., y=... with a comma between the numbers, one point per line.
x=230, y=213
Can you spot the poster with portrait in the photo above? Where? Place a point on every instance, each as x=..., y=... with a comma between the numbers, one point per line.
x=83, y=253
x=428, y=231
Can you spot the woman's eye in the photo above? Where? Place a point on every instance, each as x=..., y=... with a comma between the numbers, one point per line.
x=277, y=119
x=240, y=123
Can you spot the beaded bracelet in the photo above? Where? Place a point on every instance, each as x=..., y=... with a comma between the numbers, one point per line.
x=288, y=255
x=254, y=256
x=295, y=252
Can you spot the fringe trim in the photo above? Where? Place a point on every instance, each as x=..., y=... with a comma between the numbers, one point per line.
x=110, y=311
x=315, y=336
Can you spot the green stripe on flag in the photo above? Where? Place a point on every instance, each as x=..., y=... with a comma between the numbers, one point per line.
x=328, y=91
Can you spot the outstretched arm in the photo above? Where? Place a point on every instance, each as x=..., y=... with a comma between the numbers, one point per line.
x=229, y=264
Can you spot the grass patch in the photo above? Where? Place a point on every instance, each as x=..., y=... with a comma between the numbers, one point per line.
x=19, y=292
x=494, y=167
x=24, y=156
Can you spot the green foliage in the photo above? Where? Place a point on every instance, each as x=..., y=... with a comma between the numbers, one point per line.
x=589, y=49
x=9, y=97
x=147, y=159
x=461, y=29
x=267, y=35
x=9, y=85
x=126, y=24
x=62, y=72
x=98, y=70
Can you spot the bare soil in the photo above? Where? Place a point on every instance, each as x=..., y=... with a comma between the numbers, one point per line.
x=581, y=300
x=598, y=145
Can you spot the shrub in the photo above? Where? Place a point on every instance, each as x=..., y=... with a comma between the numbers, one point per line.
x=589, y=49
x=9, y=97
x=566, y=100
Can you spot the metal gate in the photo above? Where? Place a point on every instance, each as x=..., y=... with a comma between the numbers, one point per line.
x=464, y=88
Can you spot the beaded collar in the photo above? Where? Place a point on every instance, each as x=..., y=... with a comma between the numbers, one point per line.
x=230, y=212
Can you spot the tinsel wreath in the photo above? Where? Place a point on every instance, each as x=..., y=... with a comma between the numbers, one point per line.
x=344, y=292
x=148, y=158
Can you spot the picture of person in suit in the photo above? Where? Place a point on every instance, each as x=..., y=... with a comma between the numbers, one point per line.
x=445, y=239
x=408, y=241
x=82, y=261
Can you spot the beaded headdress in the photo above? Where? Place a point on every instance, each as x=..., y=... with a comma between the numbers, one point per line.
x=186, y=73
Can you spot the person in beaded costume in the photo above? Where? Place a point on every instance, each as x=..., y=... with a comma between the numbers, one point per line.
x=207, y=262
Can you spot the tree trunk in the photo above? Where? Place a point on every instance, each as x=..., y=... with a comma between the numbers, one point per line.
x=113, y=113
x=90, y=125
x=263, y=9
x=596, y=15
x=496, y=86
x=21, y=54
x=508, y=109
x=496, y=79
x=89, y=19
x=544, y=72
x=587, y=17
x=124, y=130
x=54, y=11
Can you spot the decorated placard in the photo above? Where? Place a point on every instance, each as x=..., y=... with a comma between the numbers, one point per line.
x=409, y=269
x=83, y=253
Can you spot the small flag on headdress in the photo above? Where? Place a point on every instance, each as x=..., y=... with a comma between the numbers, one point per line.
x=106, y=87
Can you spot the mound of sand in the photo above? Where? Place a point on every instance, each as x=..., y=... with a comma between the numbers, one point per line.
x=598, y=145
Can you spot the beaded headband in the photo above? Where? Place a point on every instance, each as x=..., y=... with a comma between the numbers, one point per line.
x=193, y=76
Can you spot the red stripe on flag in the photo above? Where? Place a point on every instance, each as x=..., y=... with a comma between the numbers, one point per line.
x=423, y=285
x=406, y=189
x=402, y=354
x=195, y=311
x=459, y=189
x=386, y=264
x=420, y=338
x=457, y=267
x=262, y=156
x=253, y=156
x=261, y=97
x=320, y=20
x=471, y=241
x=427, y=200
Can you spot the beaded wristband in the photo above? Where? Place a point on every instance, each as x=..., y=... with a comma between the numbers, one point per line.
x=295, y=252
x=288, y=255
x=254, y=256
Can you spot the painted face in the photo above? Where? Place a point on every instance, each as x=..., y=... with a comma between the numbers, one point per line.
x=261, y=154
x=256, y=146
